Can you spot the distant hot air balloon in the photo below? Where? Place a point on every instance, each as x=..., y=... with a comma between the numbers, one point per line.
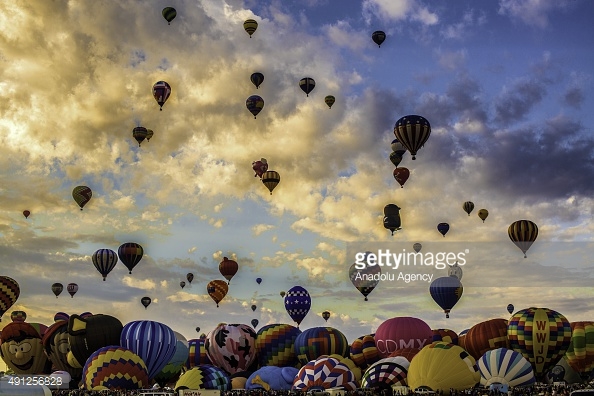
x=57, y=289
x=468, y=207
x=523, y=233
x=455, y=270
x=254, y=104
x=326, y=315
x=395, y=158
x=257, y=79
x=443, y=228
x=446, y=291
x=258, y=280
x=365, y=280
x=228, y=268
x=297, y=303
x=482, y=214
x=139, y=133
x=412, y=131
x=270, y=180
x=9, y=293
x=391, y=219
x=26, y=213
x=329, y=100
x=18, y=316
x=282, y=294
x=397, y=148
x=217, y=290
x=130, y=253
x=255, y=323
x=197, y=329
x=169, y=13
x=401, y=175
x=182, y=284
x=146, y=301
x=161, y=92
x=250, y=26
x=307, y=84
x=378, y=37
x=72, y=288
x=254, y=307
x=260, y=167
x=510, y=308
x=190, y=277
x=417, y=247
x=149, y=134
x=104, y=260
x=82, y=195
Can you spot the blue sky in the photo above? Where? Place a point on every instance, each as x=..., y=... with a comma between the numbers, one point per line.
x=507, y=86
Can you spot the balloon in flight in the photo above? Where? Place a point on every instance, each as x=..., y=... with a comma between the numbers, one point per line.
x=146, y=301
x=82, y=195
x=483, y=214
x=104, y=261
x=443, y=228
x=26, y=213
x=250, y=26
x=161, y=92
x=169, y=13
x=297, y=303
x=510, y=308
x=182, y=284
x=523, y=233
x=258, y=280
x=72, y=288
x=57, y=289
x=412, y=131
x=446, y=291
x=190, y=277
x=260, y=167
x=326, y=315
x=378, y=37
x=217, y=290
x=468, y=206
x=307, y=84
x=257, y=79
x=417, y=247
x=270, y=180
x=228, y=268
x=329, y=100
x=130, y=254
x=149, y=134
x=401, y=175
x=254, y=104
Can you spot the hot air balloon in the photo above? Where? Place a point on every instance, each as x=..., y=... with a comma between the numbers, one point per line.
x=401, y=175
x=146, y=301
x=169, y=13
x=317, y=341
x=197, y=353
x=18, y=316
x=395, y=158
x=197, y=329
x=204, y=376
x=378, y=37
x=282, y=294
x=366, y=279
x=260, y=167
x=139, y=133
x=130, y=254
x=254, y=307
x=397, y=148
x=483, y=214
x=455, y=270
x=149, y=134
x=217, y=290
x=116, y=368
x=154, y=342
x=9, y=293
x=391, y=219
x=182, y=284
x=385, y=373
x=412, y=131
x=485, y=336
x=402, y=332
x=523, y=233
x=258, y=280
x=26, y=213
x=87, y=333
x=82, y=195
x=257, y=79
x=255, y=323
x=172, y=370
x=270, y=180
x=307, y=84
x=504, y=366
x=297, y=303
x=541, y=335
x=442, y=367
x=580, y=353
x=72, y=288
x=329, y=100
x=446, y=291
x=510, y=308
x=275, y=345
x=363, y=351
x=190, y=277
x=250, y=26
x=228, y=268
x=326, y=315
x=445, y=335
x=161, y=92
x=254, y=104
x=322, y=373
x=443, y=228
x=104, y=260
x=417, y=247
x=57, y=289
x=231, y=347
x=468, y=207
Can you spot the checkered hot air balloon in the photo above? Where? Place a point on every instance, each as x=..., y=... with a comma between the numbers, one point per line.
x=324, y=373
x=386, y=372
x=9, y=293
x=154, y=342
x=114, y=367
x=297, y=303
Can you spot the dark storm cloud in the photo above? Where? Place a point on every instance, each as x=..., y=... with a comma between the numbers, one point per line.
x=515, y=103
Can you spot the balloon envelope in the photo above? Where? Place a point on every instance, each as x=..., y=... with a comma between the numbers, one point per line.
x=468, y=206
x=250, y=26
x=446, y=291
x=231, y=347
x=402, y=332
x=378, y=37
x=104, y=261
x=270, y=180
x=297, y=303
x=254, y=104
x=504, y=366
x=257, y=79
x=57, y=289
x=523, y=233
x=130, y=254
x=228, y=268
x=145, y=301
x=82, y=195
x=443, y=228
x=307, y=84
x=329, y=100
x=72, y=288
x=412, y=131
x=161, y=92
x=217, y=290
x=169, y=13
x=275, y=345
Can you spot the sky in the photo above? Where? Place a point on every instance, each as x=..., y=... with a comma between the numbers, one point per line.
x=507, y=87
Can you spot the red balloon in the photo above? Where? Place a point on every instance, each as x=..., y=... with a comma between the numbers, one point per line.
x=486, y=336
x=228, y=268
x=26, y=213
x=402, y=332
x=401, y=175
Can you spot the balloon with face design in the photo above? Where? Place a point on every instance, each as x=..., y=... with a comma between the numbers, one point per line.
x=22, y=350
x=86, y=334
x=55, y=343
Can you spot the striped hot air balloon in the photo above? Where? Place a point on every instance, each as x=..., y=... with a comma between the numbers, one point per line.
x=275, y=345
x=250, y=26
x=307, y=84
x=468, y=207
x=104, y=260
x=169, y=13
x=523, y=233
x=485, y=336
x=363, y=351
x=317, y=341
x=9, y=293
x=412, y=131
x=116, y=368
x=270, y=179
x=580, y=354
x=197, y=353
x=504, y=366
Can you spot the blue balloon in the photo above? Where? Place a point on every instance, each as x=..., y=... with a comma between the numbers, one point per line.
x=259, y=280
x=446, y=291
x=443, y=228
x=297, y=303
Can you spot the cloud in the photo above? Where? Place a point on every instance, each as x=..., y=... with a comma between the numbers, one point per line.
x=532, y=12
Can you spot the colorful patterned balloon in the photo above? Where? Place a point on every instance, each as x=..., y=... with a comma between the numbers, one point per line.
x=541, y=335
x=104, y=261
x=580, y=354
x=161, y=92
x=82, y=195
x=114, y=367
x=217, y=290
x=317, y=341
x=504, y=366
x=205, y=376
x=18, y=316
x=445, y=335
x=197, y=353
x=324, y=373
x=363, y=351
x=9, y=293
x=231, y=347
x=485, y=336
x=297, y=303
x=275, y=345
x=386, y=372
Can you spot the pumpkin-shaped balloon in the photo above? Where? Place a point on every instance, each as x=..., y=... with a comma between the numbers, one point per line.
x=412, y=131
x=231, y=347
x=217, y=290
x=82, y=195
